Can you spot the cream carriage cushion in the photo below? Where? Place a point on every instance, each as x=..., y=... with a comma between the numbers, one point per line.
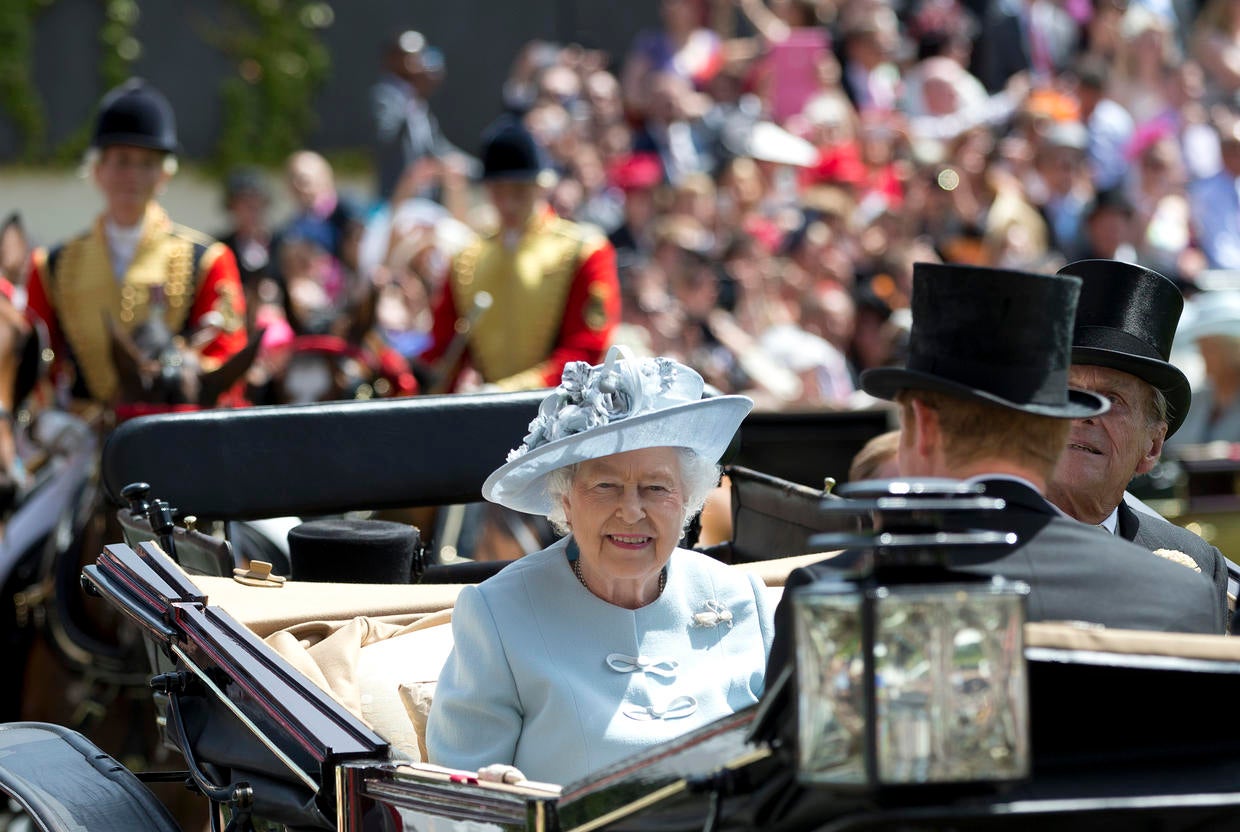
x=396, y=678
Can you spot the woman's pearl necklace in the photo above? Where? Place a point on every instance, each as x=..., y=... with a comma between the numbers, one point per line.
x=577, y=571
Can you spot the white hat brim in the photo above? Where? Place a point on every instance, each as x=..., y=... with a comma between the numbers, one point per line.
x=705, y=426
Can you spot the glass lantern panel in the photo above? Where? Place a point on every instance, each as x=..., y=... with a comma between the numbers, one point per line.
x=950, y=686
x=831, y=699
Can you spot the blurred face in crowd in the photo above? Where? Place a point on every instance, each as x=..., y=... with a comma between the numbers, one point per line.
x=560, y=85
x=939, y=79
x=129, y=178
x=514, y=202
x=1186, y=84
x=1161, y=167
x=877, y=144
x=248, y=209
x=550, y=125
x=1108, y=229
x=865, y=49
x=696, y=198
x=666, y=97
x=830, y=313
x=873, y=339
x=309, y=178
x=1059, y=167
x=743, y=184
x=1220, y=359
x=696, y=287
x=1105, y=452
x=638, y=208
x=603, y=93
x=588, y=169
x=1104, y=34
x=567, y=197
x=14, y=251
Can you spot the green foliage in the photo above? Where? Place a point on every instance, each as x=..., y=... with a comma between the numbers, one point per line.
x=268, y=105
x=281, y=63
x=119, y=48
x=18, y=98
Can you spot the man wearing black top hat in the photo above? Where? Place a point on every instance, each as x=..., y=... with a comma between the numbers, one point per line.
x=134, y=263
x=553, y=289
x=1125, y=322
x=985, y=398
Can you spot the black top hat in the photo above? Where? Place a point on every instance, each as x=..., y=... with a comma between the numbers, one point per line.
x=352, y=551
x=138, y=115
x=1126, y=320
x=509, y=152
x=990, y=335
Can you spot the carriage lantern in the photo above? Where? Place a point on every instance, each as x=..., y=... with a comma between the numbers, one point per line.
x=908, y=672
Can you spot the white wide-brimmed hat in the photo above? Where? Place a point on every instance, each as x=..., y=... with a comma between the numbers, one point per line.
x=623, y=404
x=1216, y=312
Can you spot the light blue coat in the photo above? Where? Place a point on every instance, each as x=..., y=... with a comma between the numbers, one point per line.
x=548, y=677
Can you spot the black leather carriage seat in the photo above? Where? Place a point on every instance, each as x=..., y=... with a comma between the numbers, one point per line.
x=328, y=458
x=252, y=463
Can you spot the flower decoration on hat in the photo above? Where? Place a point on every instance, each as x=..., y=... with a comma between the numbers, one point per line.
x=590, y=397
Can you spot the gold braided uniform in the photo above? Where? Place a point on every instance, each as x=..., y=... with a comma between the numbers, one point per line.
x=555, y=298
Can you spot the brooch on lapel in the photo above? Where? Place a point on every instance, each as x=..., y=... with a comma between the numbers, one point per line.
x=1176, y=556
x=712, y=615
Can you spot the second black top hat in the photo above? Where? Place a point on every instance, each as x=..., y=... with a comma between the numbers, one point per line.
x=1126, y=320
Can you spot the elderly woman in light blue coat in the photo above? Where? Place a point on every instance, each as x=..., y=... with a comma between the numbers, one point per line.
x=612, y=639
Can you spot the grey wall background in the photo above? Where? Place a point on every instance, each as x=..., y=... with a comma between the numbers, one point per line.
x=479, y=38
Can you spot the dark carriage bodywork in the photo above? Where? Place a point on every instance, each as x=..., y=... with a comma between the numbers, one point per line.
x=1119, y=739
x=1114, y=742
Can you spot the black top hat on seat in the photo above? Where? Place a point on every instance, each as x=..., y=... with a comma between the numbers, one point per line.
x=990, y=335
x=510, y=153
x=138, y=115
x=352, y=551
x=1126, y=320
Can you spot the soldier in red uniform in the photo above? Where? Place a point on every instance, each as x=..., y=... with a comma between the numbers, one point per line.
x=134, y=263
x=552, y=285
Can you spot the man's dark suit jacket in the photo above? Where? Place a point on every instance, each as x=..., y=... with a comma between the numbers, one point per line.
x=1152, y=533
x=1075, y=572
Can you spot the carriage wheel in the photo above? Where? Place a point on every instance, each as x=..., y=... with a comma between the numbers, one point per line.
x=60, y=781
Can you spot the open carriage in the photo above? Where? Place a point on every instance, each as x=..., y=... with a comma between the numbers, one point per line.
x=1126, y=729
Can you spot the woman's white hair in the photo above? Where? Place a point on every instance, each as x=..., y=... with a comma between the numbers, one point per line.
x=698, y=475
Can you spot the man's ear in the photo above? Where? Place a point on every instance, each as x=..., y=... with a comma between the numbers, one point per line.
x=928, y=439
x=1153, y=448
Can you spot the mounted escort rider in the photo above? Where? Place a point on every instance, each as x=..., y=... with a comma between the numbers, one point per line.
x=553, y=283
x=134, y=264
x=1125, y=323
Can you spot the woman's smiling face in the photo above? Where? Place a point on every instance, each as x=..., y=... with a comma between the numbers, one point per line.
x=626, y=513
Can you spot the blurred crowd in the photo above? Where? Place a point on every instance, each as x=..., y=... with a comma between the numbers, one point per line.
x=769, y=170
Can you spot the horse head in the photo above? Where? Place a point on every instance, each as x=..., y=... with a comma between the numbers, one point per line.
x=156, y=367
